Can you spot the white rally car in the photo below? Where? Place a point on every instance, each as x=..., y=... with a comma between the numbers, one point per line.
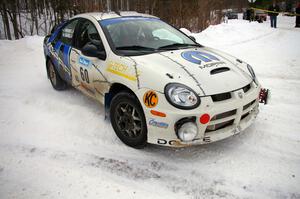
x=157, y=84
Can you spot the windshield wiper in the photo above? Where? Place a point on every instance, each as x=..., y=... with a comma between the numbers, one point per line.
x=178, y=45
x=137, y=48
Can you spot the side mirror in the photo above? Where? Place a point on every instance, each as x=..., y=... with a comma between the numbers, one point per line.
x=192, y=38
x=94, y=49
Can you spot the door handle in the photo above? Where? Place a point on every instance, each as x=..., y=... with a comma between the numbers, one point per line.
x=73, y=61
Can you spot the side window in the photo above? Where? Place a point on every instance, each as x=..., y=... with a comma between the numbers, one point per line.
x=66, y=35
x=87, y=33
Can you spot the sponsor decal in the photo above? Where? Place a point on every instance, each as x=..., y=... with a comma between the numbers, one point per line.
x=107, y=22
x=120, y=70
x=84, y=61
x=216, y=64
x=150, y=99
x=155, y=123
x=170, y=142
x=197, y=57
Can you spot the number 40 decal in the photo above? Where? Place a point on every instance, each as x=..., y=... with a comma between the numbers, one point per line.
x=84, y=75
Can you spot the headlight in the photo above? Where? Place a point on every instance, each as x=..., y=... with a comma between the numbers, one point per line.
x=181, y=96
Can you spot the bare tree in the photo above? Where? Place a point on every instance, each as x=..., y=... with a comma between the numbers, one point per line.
x=39, y=16
x=5, y=20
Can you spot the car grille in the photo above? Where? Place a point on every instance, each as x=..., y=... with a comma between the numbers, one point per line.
x=224, y=115
x=247, y=109
x=247, y=88
x=248, y=105
x=218, y=126
x=226, y=96
x=244, y=116
x=221, y=97
x=225, y=119
x=228, y=120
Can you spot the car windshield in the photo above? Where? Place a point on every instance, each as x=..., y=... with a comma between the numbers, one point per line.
x=130, y=36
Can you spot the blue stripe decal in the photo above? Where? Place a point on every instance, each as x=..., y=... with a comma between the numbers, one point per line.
x=56, y=31
x=67, y=49
x=55, y=60
x=57, y=46
x=106, y=22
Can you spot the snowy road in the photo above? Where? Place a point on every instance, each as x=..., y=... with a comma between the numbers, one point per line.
x=58, y=145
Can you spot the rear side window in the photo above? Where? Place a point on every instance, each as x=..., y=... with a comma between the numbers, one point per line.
x=66, y=34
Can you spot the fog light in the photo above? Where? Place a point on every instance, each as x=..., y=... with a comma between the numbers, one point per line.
x=187, y=132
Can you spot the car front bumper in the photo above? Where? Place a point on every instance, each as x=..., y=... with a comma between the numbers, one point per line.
x=228, y=117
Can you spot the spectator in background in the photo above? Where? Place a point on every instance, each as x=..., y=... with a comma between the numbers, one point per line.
x=226, y=18
x=274, y=8
x=250, y=14
x=298, y=16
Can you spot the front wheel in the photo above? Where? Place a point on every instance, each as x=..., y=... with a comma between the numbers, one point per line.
x=128, y=120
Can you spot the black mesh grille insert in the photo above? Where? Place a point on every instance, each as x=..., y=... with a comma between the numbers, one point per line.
x=247, y=88
x=221, y=97
x=245, y=115
x=224, y=115
x=248, y=105
x=219, y=126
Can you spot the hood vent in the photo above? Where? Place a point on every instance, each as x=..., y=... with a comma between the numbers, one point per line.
x=219, y=70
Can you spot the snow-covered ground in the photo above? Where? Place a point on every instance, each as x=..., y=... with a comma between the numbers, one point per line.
x=58, y=145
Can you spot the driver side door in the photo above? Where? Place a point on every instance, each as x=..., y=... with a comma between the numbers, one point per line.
x=87, y=69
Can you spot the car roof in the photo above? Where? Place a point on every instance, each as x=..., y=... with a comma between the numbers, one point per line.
x=109, y=15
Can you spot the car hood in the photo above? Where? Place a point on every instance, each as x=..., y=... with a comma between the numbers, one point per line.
x=205, y=70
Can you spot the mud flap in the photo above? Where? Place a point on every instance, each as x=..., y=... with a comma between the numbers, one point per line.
x=107, y=98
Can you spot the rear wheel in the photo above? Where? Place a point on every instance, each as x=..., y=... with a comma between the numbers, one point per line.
x=57, y=82
x=128, y=120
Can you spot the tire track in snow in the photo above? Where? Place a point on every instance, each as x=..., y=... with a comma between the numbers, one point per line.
x=167, y=176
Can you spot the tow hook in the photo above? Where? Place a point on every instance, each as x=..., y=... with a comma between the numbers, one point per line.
x=264, y=96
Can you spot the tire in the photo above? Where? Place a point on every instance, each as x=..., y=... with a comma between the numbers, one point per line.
x=57, y=82
x=128, y=120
